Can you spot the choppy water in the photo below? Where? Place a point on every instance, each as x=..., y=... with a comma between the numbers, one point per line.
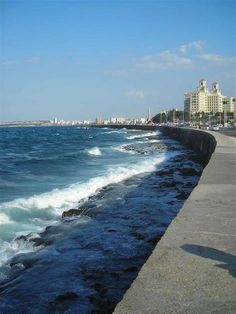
x=127, y=187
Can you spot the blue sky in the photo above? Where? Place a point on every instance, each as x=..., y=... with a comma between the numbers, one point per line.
x=82, y=59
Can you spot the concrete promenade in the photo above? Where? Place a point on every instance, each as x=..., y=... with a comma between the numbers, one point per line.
x=193, y=267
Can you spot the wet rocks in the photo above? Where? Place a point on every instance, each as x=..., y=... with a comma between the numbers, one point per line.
x=154, y=240
x=27, y=262
x=165, y=172
x=145, y=148
x=68, y=296
x=187, y=171
x=21, y=238
x=40, y=241
x=99, y=288
x=138, y=235
x=35, y=241
x=131, y=269
x=169, y=184
x=182, y=196
x=62, y=302
x=104, y=305
x=72, y=212
x=77, y=212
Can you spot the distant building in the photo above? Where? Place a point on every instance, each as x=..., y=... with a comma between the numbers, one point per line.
x=208, y=101
x=86, y=122
x=99, y=120
x=54, y=121
x=118, y=120
x=229, y=104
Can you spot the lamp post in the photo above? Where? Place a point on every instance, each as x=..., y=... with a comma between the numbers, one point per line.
x=234, y=113
x=225, y=118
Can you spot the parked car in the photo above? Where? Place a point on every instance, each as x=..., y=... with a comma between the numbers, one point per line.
x=215, y=127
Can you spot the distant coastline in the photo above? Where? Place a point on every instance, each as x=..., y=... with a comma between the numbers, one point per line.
x=25, y=123
x=50, y=124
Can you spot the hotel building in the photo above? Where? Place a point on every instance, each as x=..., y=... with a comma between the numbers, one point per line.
x=208, y=101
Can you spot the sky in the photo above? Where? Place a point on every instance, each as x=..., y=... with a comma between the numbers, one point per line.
x=77, y=60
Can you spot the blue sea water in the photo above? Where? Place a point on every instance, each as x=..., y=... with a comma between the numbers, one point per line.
x=66, y=263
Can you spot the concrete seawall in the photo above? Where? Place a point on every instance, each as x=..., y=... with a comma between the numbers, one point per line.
x=201, y=142
x=193, y=267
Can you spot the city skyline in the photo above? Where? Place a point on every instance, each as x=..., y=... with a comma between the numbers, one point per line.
x=79, y=60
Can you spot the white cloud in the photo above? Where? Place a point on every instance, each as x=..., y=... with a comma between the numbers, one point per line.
x=7, y=64
x=197, y=45
x=217, y=59
x=163, y=60
x=33, y=60
x=136, y=94
x=119, y=72
x=172, y=60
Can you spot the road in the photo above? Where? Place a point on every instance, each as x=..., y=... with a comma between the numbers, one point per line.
x=227, y=131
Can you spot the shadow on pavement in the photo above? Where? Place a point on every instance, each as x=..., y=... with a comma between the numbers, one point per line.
x=228, y=260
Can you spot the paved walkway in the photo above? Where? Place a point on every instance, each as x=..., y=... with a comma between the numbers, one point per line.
x=229, y=132
x=193, y=267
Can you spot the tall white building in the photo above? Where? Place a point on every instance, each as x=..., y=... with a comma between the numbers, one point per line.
x=208, y=101
x=54, y=121
x=229, y=104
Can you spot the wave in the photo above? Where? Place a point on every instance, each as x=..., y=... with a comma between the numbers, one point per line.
x=122, y=149
x=45, y=209
x=94, y=151
x=141, y=135
x=10, y=249
x=154, y=141
x=114, y=131
x=58, y=200
x=4, y=219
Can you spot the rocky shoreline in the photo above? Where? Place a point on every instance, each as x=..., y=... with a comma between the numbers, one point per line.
x=98, y=247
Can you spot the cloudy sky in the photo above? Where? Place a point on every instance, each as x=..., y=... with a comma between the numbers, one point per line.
x=82, y=59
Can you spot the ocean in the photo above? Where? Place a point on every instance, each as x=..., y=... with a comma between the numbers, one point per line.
x=81, y=209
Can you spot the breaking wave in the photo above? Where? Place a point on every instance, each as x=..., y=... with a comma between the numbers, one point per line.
x=58, y=200
x=141, y=135
x=94, y=151
x=4, y=219
x=45, y=209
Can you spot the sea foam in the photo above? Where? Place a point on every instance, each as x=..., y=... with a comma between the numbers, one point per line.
x=141, y=135
x=94, y=151
x=58, y=200
x=4, y=219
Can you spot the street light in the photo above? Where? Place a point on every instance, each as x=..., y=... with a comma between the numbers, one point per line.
x=225, y=118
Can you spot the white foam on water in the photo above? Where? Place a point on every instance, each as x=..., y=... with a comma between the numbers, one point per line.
x=35, y=213
x=4, y=219
x=17, y=246
x=116, y=131
x=154, y=141
x=58, y=200
x=94, y=151
x=141, y=135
